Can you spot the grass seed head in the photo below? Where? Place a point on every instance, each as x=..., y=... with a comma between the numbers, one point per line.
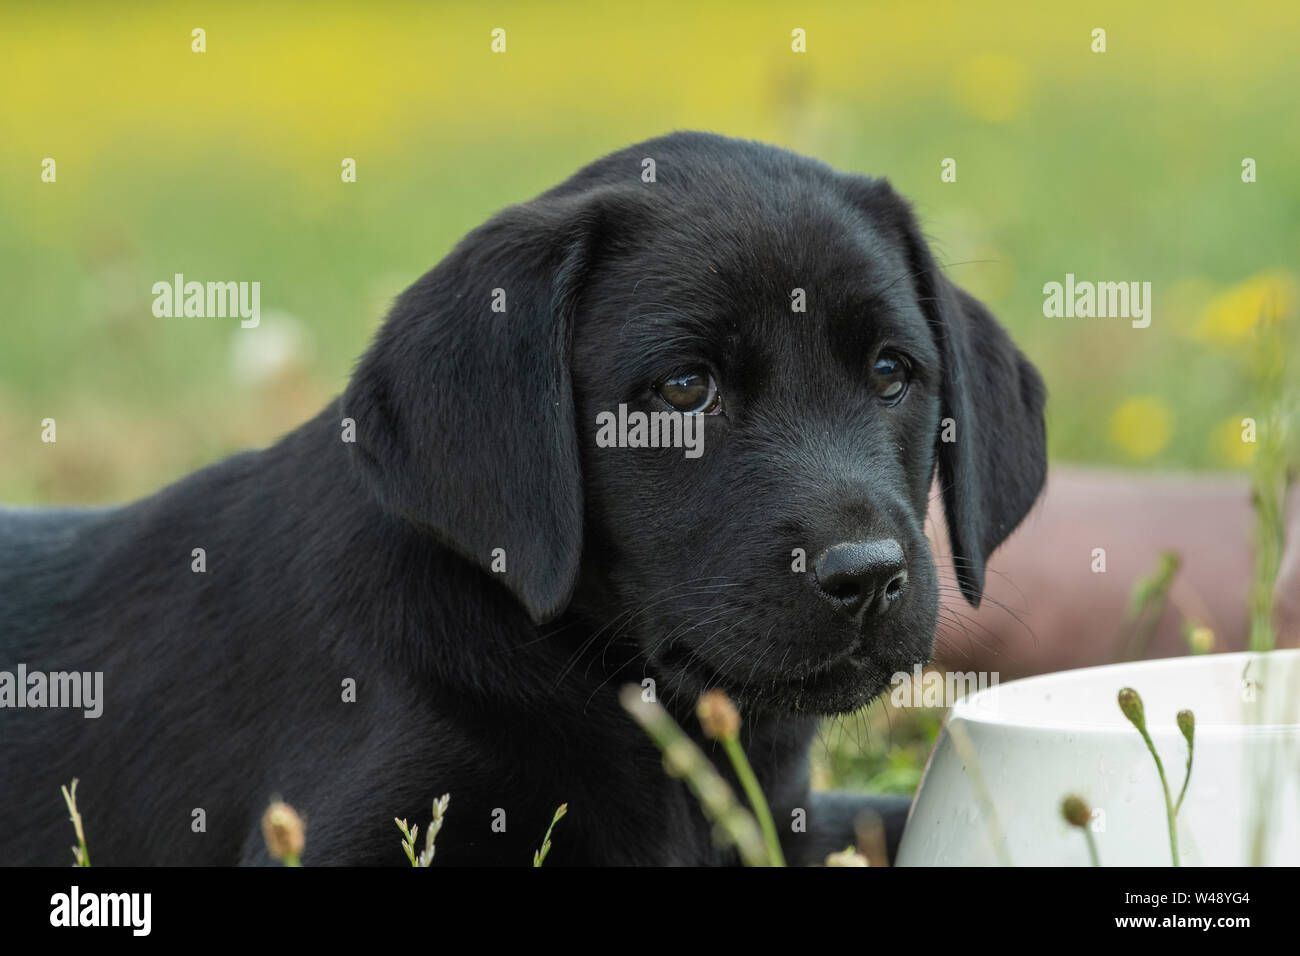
x=1076, y=811
x=718, y=716
x=1131, y=704
x=284, y=831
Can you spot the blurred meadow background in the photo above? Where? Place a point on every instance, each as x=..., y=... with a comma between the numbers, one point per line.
x=225, y=165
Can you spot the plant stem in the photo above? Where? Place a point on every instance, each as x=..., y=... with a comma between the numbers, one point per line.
x=1186, y=780
x=1164, y=786
x=70, y=798
x=1092, y=846
x=539, y=856
x=683, y=759
x=757, y=802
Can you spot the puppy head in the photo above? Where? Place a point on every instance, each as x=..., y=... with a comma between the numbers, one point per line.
x=792, y=314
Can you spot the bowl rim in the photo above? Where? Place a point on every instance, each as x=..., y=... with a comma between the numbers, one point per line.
x=979, y=708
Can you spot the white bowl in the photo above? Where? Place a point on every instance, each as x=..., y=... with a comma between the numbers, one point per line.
x=1008, y=755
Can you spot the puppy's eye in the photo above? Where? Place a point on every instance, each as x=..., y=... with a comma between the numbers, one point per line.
x=889, y=377
x=695, y=393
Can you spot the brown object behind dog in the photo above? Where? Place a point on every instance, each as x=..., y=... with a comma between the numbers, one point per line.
x=1046, y=609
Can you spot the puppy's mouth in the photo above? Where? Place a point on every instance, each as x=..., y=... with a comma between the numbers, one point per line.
x=836, y=685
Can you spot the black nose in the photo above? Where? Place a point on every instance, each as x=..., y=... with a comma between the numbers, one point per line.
x=862, y=578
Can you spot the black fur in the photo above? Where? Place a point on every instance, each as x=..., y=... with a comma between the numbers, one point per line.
x=476, y=430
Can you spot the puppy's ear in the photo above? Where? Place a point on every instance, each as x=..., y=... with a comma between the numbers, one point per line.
x=995, y=464
x=464, y=406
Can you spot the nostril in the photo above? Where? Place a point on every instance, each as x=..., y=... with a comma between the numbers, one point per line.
x=895, y=586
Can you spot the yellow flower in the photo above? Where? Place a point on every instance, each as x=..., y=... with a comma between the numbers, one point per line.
x=1142, y=425
x=1231, y=315
x=1227, y=446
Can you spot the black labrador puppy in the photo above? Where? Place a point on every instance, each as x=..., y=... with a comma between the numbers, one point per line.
x=441, y=582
